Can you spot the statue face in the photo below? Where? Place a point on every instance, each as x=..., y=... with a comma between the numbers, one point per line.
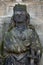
x=20, y=16
x=20, y=19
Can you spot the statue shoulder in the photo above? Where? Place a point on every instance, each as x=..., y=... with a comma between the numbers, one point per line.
x=34, y=32
x=31, y=27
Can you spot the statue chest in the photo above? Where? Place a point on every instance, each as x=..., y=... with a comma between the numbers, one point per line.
x=17, y=41
x=22, y=36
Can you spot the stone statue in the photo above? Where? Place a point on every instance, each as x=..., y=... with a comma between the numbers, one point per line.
x=21, y=44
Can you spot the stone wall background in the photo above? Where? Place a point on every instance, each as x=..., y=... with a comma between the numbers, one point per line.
x=34, y=8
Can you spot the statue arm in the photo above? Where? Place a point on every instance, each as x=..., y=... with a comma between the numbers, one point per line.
x=2, y=42
x=36, y=44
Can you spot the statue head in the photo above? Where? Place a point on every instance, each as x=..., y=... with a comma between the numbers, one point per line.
x=20, y=15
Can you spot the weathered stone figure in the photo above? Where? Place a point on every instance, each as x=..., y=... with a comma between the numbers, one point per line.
x=21, y=44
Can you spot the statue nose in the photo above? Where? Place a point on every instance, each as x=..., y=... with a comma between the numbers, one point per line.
x=19, y=16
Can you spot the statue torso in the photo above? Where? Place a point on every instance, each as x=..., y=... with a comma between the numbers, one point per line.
x=17, y=41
